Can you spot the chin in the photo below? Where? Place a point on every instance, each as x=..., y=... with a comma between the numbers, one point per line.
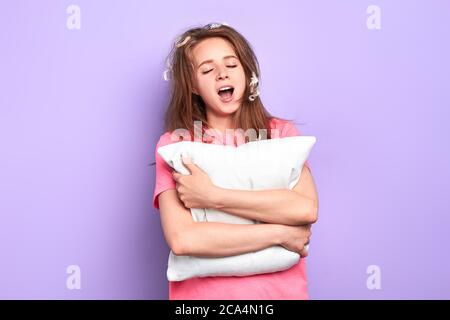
x=229, y=108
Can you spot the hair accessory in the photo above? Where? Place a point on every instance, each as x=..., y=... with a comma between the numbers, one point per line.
x=254, y=83
x=210, y=26
x=186, y=39
x=167, y=73
x=254, y=79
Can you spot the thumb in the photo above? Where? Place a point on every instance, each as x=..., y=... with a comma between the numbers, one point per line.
x=187, y=161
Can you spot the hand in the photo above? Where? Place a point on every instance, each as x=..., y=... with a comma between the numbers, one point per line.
x=195, y=190
x=297, y=237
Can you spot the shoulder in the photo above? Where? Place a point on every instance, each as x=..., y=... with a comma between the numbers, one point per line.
x=165, y=139
x=286, y=128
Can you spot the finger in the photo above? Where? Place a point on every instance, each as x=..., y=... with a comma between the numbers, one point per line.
x=187, y=161
x=304, y=252
x=185, y=157
x=176, y=176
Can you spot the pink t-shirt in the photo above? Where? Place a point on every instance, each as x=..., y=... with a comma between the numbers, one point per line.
x=290, y=284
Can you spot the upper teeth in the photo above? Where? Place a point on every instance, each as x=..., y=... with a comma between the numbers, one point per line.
x=225, y=88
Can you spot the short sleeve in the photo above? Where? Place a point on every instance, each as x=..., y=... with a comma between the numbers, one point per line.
x=290, y=130
x=163, y=177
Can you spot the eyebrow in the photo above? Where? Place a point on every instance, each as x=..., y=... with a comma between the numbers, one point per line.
x=208, y=61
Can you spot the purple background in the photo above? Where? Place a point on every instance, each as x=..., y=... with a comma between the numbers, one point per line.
x=81, y=112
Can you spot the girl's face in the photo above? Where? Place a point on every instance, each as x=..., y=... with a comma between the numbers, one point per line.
x=217, y=66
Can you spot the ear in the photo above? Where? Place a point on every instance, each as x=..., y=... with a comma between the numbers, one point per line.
x=194, y=91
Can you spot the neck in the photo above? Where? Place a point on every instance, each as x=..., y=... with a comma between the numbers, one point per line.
x=220, y=123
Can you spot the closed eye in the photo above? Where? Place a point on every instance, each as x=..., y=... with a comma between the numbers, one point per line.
x=234, y=66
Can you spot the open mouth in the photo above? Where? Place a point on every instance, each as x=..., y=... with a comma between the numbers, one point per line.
x=226, y=93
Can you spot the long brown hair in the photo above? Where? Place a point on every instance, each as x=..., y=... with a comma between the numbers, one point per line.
x=185, y=107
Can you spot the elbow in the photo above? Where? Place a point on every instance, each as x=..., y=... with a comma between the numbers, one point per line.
x=177, y=249
x=313, y=215
x=182, y=240
x=178, y=246
x=309, y=216
x=312, y=218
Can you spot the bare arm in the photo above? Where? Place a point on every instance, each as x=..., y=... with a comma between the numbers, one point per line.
x=213, y=239
x=298, y=206
x=281, y=206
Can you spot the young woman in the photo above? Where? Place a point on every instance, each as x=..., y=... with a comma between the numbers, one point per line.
x=214, y=80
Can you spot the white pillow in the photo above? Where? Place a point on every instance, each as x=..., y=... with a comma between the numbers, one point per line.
x=256, y=165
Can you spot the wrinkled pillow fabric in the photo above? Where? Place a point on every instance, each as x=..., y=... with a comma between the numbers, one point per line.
x=255, y=165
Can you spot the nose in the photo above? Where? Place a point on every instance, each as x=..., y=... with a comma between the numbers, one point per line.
x=222, y=74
